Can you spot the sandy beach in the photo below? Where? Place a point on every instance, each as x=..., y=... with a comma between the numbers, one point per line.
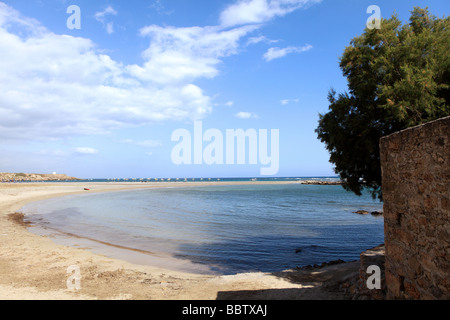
x=34, y=267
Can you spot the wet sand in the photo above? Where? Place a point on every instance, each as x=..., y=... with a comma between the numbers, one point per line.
x=34, y=267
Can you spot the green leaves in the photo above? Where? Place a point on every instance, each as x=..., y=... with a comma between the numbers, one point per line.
x=398, y=77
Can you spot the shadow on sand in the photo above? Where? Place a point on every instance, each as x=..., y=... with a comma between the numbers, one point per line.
x=330, y=282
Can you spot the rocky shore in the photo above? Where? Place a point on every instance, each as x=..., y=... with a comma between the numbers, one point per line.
x=349, y=279
x=33, y=177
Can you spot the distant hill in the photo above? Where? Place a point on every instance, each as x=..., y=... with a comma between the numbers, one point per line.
x=5, y=177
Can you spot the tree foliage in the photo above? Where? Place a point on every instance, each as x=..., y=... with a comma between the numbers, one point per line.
x=398, y=77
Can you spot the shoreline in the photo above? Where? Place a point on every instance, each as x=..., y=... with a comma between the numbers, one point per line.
x=35, y=267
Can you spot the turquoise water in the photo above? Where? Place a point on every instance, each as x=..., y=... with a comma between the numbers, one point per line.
x=227, y=229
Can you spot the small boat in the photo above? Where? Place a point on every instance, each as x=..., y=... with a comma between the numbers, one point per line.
x=86, y=189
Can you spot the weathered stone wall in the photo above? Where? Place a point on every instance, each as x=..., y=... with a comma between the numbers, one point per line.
x=416, y=191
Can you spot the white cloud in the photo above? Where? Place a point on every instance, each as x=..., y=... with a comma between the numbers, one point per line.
x=183, y=54
x=54, y=86
x=110, y=28
x=245, y=115
x=287, y=101
x=159, y=7
x=59, y=85
x=224, y=104
x=259, y=11
x=255, y=40
x=83, y=150
x=101, y=17
x=276, y=53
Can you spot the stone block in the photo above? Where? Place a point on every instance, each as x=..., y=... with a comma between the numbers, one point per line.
x=416, y=178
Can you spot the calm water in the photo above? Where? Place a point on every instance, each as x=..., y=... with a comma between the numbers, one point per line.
x=224, y=229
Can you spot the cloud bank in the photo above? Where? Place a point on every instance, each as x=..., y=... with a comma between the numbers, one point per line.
x=55, y=86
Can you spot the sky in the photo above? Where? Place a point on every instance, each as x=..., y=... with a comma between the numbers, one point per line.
x=151, y=89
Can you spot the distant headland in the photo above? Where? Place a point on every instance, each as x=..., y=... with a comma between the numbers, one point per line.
x=21, y=177
x=37, y=177
x=322, y=182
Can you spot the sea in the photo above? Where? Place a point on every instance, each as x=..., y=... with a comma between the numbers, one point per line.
x=216, y=229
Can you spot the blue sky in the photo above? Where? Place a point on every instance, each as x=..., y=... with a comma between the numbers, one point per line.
x=103, y=101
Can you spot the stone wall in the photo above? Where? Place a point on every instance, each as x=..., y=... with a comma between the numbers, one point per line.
x=416, y=190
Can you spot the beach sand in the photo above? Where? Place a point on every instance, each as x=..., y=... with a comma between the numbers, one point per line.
x=34, y=267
